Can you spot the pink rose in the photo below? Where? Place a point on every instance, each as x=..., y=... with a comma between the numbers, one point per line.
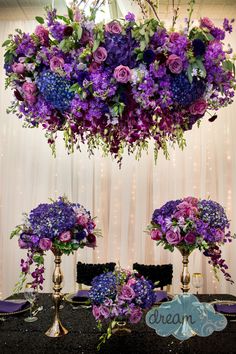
x=122, y=74
x=43, y=35
x=45, y=244
x=198, y=107
x=127, y=293
x=185, y=210
x=65, y=236
x=174, y=36
x=113, y=27
x=191, y=200
x=131, y=281
x=18, y=68
x=175, y=64
x=100, y=55
x=77, y=15
x=173, y=237
x=207, y=23
x=190, y=238
x=56, y=63
x=135, y=315
x=82, y=220
x=96, y=312
x=156, y=234
x=104, y=311
x=29, y=88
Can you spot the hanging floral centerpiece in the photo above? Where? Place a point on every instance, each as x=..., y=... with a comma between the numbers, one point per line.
x=121, y=84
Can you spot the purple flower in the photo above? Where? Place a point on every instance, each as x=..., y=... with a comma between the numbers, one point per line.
x=56, y=63
x=149, y=56
x=199, y=107
x=175, y=64
x=199, y=47
x=96, y=312
x=113, y=27
x=122, y=74
x=23, y=244
x=65, y=236
x=218, y=33
x=135, y=315
x=130, y=17
x=228, y=25
x=190, y=238
x=18, y=68
x=45, y=244
x=156, y=235
x=173, y=237
x=100, y=55
x=127, y=293
x=43, y=35
x=207, y=23
x=104, y=311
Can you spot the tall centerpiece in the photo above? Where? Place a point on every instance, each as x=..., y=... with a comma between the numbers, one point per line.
x=120, y=84
x=61, y=227
x=188, y=224
x=119, y=298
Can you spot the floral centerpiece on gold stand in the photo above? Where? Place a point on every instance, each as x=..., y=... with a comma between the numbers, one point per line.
x=62, y=227
x=188, y=224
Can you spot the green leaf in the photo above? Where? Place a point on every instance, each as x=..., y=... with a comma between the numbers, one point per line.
x=189, y=73
x=96, y=44
x=70, y=14
x=8, y=41
x=79, y=32
x=201, y=67
x=142, y=45
x=39, y=19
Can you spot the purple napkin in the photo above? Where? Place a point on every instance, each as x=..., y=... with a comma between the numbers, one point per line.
x=161, y=295
x=225, y=308
x=81, y=295
x=9, y=306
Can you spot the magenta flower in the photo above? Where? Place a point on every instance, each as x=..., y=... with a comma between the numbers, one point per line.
x=207, y=23
x=185, y=210
x=173, y=237
x=199, y=107
x=45, y=244
x=127, y=293
x=43, y=35
x=156, y=235
x=174, y=36
x=130, y=17
x=82, y=220
x=96, y=312
x=104, y=311
x=190, y=238
x=18, y=68
x=22, y=244
x=65, y=236
x=56, y=63
x=29, y=90
x=122, y=74
x=100, y=55
x=113, y=27
x=135, y=315
x=175, y=64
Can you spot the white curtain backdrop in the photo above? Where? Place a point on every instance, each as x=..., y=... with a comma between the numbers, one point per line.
x=123, y=199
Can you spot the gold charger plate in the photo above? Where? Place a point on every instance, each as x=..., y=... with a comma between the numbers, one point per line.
x=69, y=298
x=224, y=302
x=15, y=312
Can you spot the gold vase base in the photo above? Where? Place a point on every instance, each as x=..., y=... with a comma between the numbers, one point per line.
x=121, y=328
x=56, y=330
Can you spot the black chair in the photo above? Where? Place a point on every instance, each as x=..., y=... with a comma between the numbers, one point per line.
x=86, y=272
x=160, y=274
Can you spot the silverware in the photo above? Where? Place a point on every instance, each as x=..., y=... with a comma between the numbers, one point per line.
x=40, y=308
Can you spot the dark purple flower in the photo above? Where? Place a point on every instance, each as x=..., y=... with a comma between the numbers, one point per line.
x=149, y=56
x=68, y=30
x=218, y=33
x=190, y=238
x=228, y=25
x=199, y=47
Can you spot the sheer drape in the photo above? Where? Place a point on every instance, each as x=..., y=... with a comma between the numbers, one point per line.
x=123, y=199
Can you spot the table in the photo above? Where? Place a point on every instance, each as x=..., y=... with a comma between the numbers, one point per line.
x=17, y=336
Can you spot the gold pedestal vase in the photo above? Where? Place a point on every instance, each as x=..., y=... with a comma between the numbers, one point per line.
x=185, y=276
x=57, y=329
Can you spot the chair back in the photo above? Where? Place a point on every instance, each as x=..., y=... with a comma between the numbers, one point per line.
x=86, y=272
x=162, y=274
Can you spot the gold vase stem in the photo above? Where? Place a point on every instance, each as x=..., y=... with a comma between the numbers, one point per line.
x=57, y=329
x=185, y=276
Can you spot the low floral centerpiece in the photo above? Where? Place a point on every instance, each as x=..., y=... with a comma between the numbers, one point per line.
x=120, y=84
x=191, y=223
x=59, y=226
x=118, y=298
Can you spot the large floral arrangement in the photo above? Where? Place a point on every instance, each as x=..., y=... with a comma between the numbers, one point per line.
x=190, y=224
x=118, y=84
x=58, y=226
x=120, y=295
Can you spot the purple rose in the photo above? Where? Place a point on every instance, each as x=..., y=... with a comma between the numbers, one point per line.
x=122, y=73
x=130, y=17
x=18, y=68
x=96, y=312
x=100, y=55
x=190, y=238
x=65, y=236
x=207, y=23
x=45, y=244
x=198, y=107
x=156, y=234
x=43, y=35
x=175, y=64
x=104, y=311
x=113, y=27
x=127, y=293
x=29, y=90
x=135, y=315
x=56, y=63
x=173, y=237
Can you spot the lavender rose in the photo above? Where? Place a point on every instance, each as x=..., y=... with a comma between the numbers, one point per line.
x=56, y=63
x=173, y=237
x=100, y=55
x=104, y=311
x=135, y=315
x=175, y=64
x=43, y=35
x=127, y=293
x=156, y=235
x=122, y=74
x=96, y=312
x=190, y=238
x=207, y=23
x=18, y=68
x=113, y=27
x=45, y=244
x=29, y=90
x=65, y=236
x=198, y=107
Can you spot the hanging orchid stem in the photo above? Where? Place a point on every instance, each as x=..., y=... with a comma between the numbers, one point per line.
x=143, y=10
x=175, y=13
x=190, y=10
x=153, y=7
